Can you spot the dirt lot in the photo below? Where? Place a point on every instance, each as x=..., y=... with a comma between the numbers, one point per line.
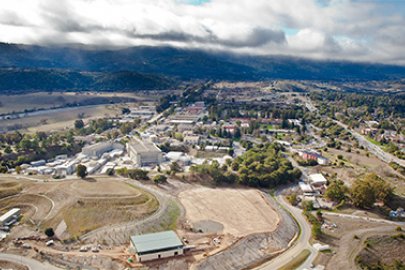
x=239, y=211
x=382, y=249
x=75, y=207
x=346, y=240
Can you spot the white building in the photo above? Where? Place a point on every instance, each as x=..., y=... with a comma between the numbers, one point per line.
x=98, y=149
x=10, y=217
x=144, y=153
x=159, y=245
x=317, y=180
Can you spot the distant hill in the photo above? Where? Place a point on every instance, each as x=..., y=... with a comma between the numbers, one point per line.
x=23, y=80
x=81, y=67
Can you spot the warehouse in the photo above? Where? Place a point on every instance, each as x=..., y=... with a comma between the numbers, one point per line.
x=10, y=217
x=144, y=153
x=156, y=245
x=98, y=149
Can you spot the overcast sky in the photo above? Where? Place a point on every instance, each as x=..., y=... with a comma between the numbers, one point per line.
x=364, y=30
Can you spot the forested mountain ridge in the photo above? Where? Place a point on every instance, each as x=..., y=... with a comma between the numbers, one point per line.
x=26, y=67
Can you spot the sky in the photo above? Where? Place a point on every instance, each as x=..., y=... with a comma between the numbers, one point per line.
x=354, y=30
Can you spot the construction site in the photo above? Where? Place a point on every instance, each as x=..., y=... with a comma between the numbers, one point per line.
x=93, y=221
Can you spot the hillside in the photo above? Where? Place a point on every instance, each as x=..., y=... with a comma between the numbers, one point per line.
x=25, y=67
x=22, y=80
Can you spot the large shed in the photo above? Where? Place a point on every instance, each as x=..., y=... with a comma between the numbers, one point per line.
x=156, y=245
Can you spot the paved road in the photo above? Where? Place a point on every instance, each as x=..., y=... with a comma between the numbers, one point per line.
x=30, y=263
x=374, y=149
x=380, y=220
x=301, y=243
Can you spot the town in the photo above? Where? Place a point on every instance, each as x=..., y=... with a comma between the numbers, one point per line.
x=215, y=173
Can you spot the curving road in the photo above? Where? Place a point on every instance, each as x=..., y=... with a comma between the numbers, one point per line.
x=30, y=263
x=301, y=243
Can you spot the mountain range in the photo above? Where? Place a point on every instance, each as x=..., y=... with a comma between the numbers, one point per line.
x=77, y=67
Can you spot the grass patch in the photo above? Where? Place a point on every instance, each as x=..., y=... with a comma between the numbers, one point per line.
x=173, y=213
x=297, y=261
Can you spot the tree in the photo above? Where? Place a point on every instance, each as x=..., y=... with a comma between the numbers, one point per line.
x=138, y=174
x=79, y=124
x=368, y=189
x=174, y=168
x=336, y=191
x=49, y=232
x=81, y=171
x=160, y=178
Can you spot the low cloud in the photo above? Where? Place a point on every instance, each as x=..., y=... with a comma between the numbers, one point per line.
x=329, y=29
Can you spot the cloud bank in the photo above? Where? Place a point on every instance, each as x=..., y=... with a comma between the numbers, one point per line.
x=357, y=30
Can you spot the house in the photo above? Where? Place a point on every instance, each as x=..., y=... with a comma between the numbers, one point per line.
x=10, y=217
x=144, y=153
x=156, y=245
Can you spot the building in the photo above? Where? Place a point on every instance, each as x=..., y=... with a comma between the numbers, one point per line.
x=191, y=139
x=98, y=149
x=10, y=217
x=317, y=180
x=156, y=245
x=144, y=153
x=313, y=155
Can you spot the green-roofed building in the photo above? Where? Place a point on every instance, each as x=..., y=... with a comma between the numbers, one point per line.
x=153, y=246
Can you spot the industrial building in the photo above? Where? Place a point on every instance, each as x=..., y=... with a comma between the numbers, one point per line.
x=156, y=245
x=144, y=153
x=10, y=217
x=98, y=149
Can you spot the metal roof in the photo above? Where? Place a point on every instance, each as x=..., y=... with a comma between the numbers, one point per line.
x=156, y=241
x=141, y=146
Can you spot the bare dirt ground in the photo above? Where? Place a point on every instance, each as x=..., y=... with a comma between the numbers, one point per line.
x=347, y=239
x=357, y=164
x=231, y=208
x=385, y=249
x=11, y=265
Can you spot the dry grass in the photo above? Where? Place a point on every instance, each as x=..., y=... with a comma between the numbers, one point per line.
x=88, y=214
x=101, y=203
x=9, y=189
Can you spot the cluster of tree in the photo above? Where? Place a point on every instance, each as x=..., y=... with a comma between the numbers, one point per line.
x=316, y=222
x=336, y=191
x=219, y=174
x=264, y=166
x=261, y=166
x=137, y=174
x=370, y=189
x=94, y=126
x=381, y=105
x=23, y=148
